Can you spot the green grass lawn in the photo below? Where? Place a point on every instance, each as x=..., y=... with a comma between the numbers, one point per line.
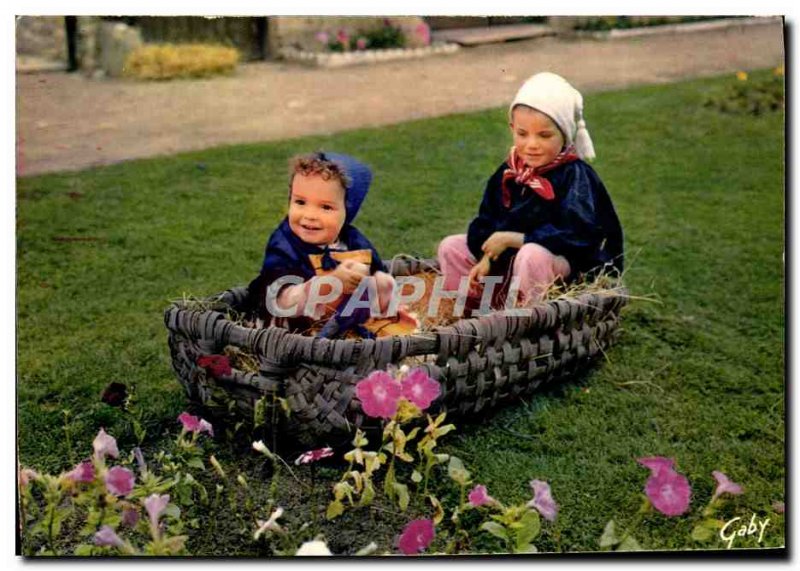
x=697, y=375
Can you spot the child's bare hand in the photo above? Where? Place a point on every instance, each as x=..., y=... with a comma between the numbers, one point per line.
x=350, y=273
x=499, y=242
x=478, y=271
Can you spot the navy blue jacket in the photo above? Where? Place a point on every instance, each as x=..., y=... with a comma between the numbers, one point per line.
x=579, y=224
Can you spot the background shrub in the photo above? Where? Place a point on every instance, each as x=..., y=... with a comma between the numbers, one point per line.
x=169, y=61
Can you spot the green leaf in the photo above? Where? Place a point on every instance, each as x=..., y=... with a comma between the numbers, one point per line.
x=367, y=495
x=84, y=550
x=335, y=509
x=528, y=528
x=195, y=463
x=629, y=544
x=706, y=530
x=609, y=537
x=457, y=471
x=173, y=511
x=402, y=496
x=495, y=529
x=416, y=477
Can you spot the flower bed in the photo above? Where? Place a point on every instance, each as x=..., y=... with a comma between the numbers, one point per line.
x=342, y=59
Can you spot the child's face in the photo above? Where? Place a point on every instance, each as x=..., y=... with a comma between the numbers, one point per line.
x=536, y=137
x=316, y=209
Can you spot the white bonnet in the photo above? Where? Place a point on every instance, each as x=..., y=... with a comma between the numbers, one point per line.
x=555, y=97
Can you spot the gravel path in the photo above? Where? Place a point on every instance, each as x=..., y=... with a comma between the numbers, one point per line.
x=67, y=121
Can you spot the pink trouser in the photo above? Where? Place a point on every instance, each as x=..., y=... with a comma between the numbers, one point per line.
x=534, y=265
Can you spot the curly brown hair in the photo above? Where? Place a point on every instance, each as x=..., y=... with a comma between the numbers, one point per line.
x=314, y=164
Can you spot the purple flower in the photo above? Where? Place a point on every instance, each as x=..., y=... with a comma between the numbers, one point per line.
x=479, y=497
x=313, y=456
x=420, y=389
x=543, y=501
x=379, y=394
x=26, y=475
x=323, y=37
x=155, y=505
x=195, y=424
x=130, y=517
x=137, y=453
x=119, y=481
x=83, y=472
x=104, y=445
x=657, y=463
x=669, y=492
x=107, y=538
x=361, y=43
x=416, y=537
x=724, y=485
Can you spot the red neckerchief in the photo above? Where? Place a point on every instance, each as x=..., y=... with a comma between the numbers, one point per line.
x=524, y=175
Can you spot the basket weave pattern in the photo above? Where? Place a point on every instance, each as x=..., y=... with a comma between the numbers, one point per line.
x=480, y=362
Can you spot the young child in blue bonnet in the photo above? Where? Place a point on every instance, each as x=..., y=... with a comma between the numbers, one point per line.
x=317, y=238
x=545, y=215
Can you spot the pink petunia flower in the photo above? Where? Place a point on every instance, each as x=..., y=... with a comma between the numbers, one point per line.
x=479, y=497
x=416, y=537
x=83, y=472
x=657, y=463
x=104, y=445
x=379, y=394
x=217, y=365
x=119, y=481
x=195, y=424
x=342, y=38
x=779, y=507
x=725, y=485
x=669, y=492
x=323, y=37
x=361, y=43
x=313, y=456
x=420, y=389
x=26, y=475
x=543, y=500
x=106, y=537
x=155, y=505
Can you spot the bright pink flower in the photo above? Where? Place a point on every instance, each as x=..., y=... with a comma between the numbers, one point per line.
x=361, y=43
x=83, y=472
x=104, y=445
x=416, y=537
x=479, y=497
x=342, y=37
x=217, y=365
x=420, y=389
x=725, y=486
x=379, y=394
x=543, y=501
x=107, y=538
x=195, y=424
x=313, y=456
x=669, y=492
x=779, y=507
x=657, y=463
x=155, y=505
x=423, y=31
x=119, y=481
x=323, y=38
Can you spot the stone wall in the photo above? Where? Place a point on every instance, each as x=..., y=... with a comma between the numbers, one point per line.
x=41, y=36
x=300, y=31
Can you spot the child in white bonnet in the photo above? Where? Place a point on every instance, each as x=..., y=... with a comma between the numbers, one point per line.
x=545, y=213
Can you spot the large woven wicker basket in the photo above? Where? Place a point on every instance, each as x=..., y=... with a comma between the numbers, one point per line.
x=480, y=362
